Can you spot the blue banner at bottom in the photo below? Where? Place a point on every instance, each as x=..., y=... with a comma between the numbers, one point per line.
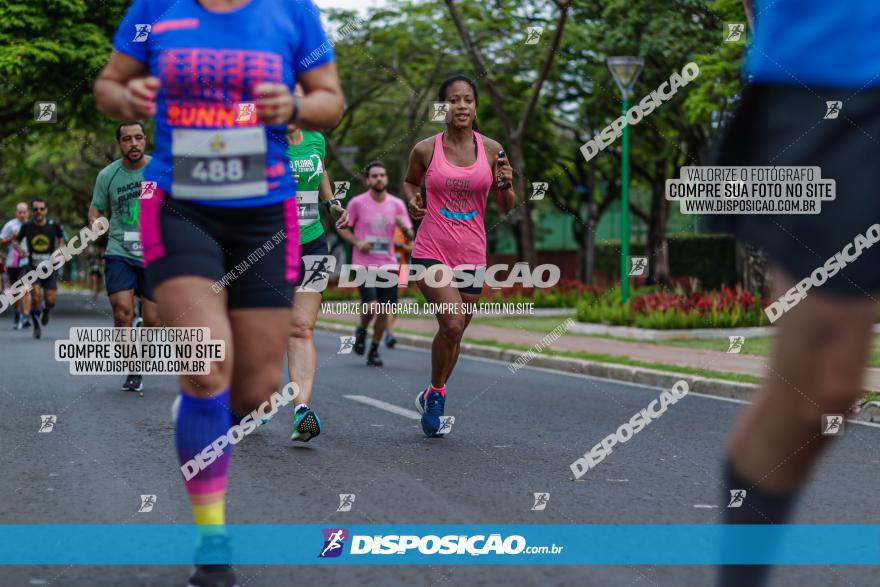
x=434, y=544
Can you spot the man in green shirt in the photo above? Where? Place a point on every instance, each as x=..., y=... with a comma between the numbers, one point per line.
x=306, y=153
x=117, y=192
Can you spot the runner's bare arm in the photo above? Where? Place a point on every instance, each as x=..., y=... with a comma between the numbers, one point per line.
x=94, y=214
x=415, y=173
x=321, y=108
x=123, y=91
x=506, y=198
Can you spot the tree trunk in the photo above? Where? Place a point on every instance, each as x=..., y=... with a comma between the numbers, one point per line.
x=751, y=264
x=658, y=246
x=526, y=229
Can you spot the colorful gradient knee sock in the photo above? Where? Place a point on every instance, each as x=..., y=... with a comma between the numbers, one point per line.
x=200, y=421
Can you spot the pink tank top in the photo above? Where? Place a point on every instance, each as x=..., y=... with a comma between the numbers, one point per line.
x=453, y=230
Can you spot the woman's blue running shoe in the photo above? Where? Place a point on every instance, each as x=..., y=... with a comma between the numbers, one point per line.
x=430, y=405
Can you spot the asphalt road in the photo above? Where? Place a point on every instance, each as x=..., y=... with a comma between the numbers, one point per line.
x=515, y=434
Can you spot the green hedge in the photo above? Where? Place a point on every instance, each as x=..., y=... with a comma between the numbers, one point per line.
x=708, y=257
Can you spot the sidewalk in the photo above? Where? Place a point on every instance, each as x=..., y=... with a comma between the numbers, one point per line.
x=644, y=352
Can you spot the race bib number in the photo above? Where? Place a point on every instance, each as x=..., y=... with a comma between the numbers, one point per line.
x=224, y=164
x=131, y=242
x=307, y=207
x=378, y=242
x=37, y=258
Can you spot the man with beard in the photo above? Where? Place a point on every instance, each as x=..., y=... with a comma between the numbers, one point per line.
x=35, y=242
x=118, y=190
x=373, y=216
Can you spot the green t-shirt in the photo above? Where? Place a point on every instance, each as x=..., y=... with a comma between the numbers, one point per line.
x=119, y=189
x=307, y=160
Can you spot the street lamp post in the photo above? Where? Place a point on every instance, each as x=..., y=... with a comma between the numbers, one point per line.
x=625, y=71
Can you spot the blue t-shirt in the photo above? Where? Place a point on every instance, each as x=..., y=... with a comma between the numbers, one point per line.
x=208, y=64
x=816, y=43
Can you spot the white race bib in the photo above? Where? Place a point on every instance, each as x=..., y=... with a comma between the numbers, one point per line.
x=218, y=164
x=307, y=207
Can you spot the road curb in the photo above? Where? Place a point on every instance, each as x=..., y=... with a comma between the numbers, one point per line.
x=624, y=373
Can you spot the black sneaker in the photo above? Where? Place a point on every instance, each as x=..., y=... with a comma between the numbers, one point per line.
x=45, y=316
x=373, y=359
x=133, y=383
x=390, y=340
x=306, y=424
x=360, y=340
x=214, y=575
x=38, y=332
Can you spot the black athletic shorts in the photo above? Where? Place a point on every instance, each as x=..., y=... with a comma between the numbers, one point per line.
x=471, y=289
x=786, y=125
x=14, y=273
x=243, y=250
x=378, y=294
x=317, y=247
x=50, y=282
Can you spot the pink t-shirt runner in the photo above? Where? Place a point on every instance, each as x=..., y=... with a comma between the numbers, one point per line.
x=374, y=222
x=453, y=230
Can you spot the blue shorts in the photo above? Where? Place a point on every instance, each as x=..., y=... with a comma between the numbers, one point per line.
x=121, y=273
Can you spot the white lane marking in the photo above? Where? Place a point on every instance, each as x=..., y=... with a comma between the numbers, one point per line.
x=705, y=506
x=377, y=403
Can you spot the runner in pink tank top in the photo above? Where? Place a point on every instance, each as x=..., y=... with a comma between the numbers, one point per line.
x=454, y=230
x=459, y=167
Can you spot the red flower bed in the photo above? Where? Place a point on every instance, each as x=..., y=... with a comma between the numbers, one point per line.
x=720, y=301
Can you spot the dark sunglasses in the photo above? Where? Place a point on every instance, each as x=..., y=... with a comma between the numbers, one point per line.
x=40, y=209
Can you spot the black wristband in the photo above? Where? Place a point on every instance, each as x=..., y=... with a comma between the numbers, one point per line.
x=334, y=202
